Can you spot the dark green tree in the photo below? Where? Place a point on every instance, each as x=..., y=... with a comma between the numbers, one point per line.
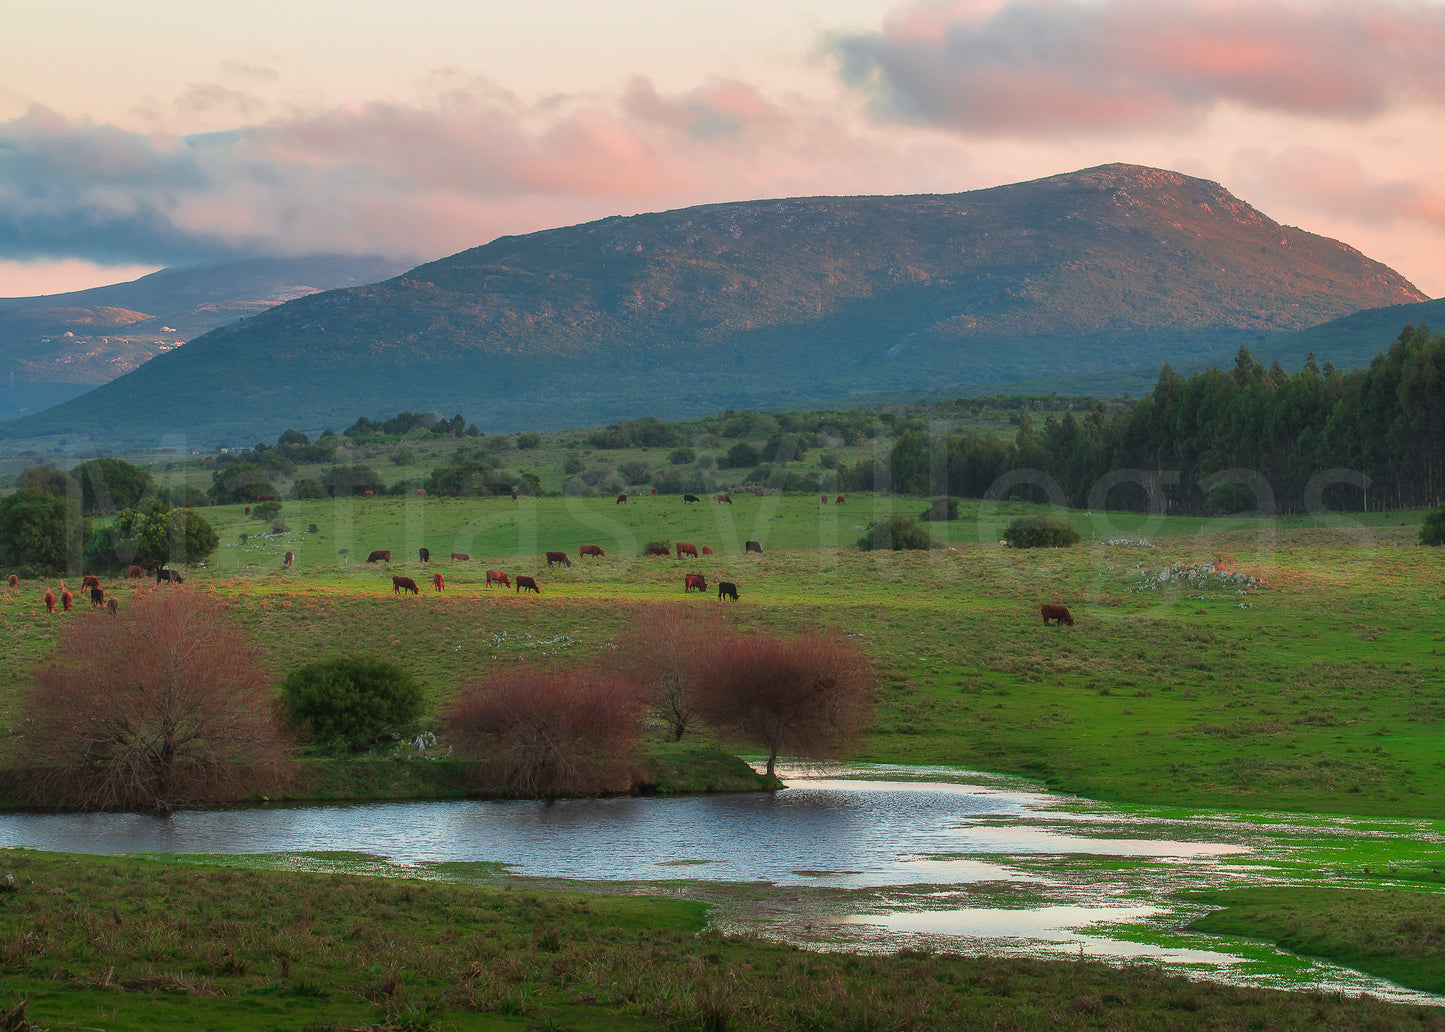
x=1432, y=531
x=152, y=538
x=109, y=485
x=41, y=534
x=351, y=702
x=240, y=482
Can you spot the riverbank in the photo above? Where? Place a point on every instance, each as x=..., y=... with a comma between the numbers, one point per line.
x=155, y=944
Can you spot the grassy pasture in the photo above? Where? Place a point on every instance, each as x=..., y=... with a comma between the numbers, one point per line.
x=1320, y=692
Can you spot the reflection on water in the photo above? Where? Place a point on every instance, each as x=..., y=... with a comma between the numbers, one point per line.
x=842, y=863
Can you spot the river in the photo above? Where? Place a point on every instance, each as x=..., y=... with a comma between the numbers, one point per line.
x=874, y=858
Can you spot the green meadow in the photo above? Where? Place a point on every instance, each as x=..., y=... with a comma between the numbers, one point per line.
x=1290, y=664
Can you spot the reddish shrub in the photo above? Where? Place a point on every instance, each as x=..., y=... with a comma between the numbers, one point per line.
x=811, y=695
x=544, y=734
x=659, y=652
x=163, y=706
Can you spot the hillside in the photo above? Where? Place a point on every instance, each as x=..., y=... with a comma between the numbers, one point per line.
x=57, y=347
x=766, y=305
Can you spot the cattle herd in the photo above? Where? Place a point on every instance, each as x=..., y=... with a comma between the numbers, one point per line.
x=90, y=586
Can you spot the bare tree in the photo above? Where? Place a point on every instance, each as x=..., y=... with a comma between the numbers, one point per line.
x=659, y=652
x=810, y=695
x=167, y=704
x=547, y=733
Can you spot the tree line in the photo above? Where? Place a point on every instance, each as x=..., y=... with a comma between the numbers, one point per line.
x=1251, y=438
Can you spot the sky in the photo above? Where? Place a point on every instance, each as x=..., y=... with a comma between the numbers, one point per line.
x=170, y=132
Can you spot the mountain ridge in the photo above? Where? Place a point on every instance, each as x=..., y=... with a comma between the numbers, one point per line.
x=785, y=302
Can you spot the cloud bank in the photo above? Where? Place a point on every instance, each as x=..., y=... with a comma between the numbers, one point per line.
x=1043, y=67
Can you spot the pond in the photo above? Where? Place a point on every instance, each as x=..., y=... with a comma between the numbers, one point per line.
x=877, y=859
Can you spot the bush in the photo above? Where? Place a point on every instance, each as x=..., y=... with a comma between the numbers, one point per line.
x=659, y=652
x=811, y=695
x=41, y=534
x=1040, y=532
x=897, y=533
x=265, y=510
x=550, y=733
x=152, y=538
x=351, y=702
x=307, y=488
x=187, y=717
x=940, y=510
x=1432, y=531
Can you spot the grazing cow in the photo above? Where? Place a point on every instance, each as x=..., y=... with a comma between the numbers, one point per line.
x=823, y=499
x=366, y=494
x=460, y=557
x=528, y=583
x=400, y=584
x=557, y=557
x=248, y=510
x=514, y=496
x=89, y=581
x=14, y=581
x=440, y=581
x=693, y=582
x=1059, y=613
x=727, y=589
x=65, y=599
x=654, y=490
x=50, y=600
x=290, y=558
x=97, y=597
x=590, y=550
x=266, y=498
x=621, y=498
x=691, y=498
x=707, y=549
x=169, y=576
x=136, y=573
x=753, y=546
x=381, y=555
x=686, y=548
x=112, y=607
x=841, y=499
x=497, y=577
x=658, y=550
x=421, y=491
x=725, y=498
x=424, y=554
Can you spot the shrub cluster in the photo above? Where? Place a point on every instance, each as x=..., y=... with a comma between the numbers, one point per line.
x=898, y=533
x=1040, y=532
x=351, y=702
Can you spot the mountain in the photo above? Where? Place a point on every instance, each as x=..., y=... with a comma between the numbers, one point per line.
x=762, y=304
x=57, y=347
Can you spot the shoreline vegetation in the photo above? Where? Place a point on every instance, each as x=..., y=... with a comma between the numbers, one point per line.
x=1284, y=664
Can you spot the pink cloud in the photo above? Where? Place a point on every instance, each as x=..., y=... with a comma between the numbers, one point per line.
x=1038, y=67
x=1337, y=185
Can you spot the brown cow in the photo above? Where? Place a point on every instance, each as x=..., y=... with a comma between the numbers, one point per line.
x=686, y=548
x=693, y=582
x=707, y=549
x=590, y=550
x=65, y=599
x=135, y=573
x=725, y=498
x=514, y=496
x=366, y=494
x=400, y=584
x=557, y=557
x=290, y=558
x=658, y=550
x=111, y=606
x=421, y=491
x=823, y=499
x=1059, y=613
x=654, y=490
x=528, y=583
x=89, y=581
x=460, y=557
x=497, y=577
x=841, y=499
x=439, y=581
x=621, y=498
x=50, y=600
x=753, y=546
x=266, y=498
x=381, y=555
x=14, y=581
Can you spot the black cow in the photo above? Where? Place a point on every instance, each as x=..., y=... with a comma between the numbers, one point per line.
x=691, y=498
x=97, y=597
x=727, y=589
x=424, y=554
x=753, y=546
x=165, y=573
